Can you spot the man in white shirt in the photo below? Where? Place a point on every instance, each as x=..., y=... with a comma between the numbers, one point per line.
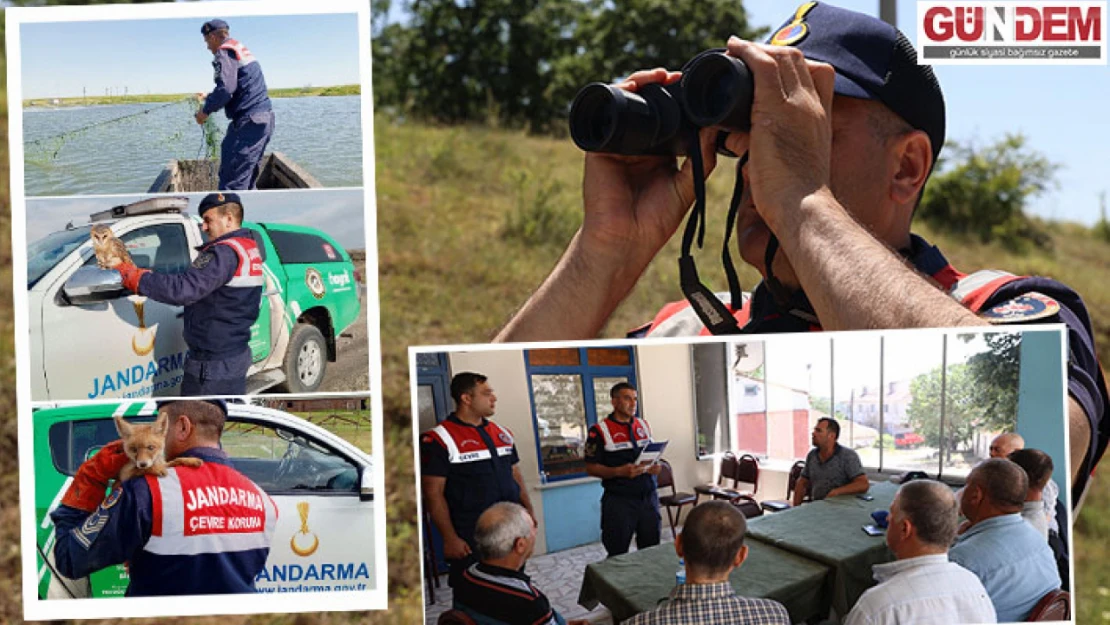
x=922, y=587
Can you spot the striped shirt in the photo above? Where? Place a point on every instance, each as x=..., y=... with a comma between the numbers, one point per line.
x=712, y=604
x=492, y=594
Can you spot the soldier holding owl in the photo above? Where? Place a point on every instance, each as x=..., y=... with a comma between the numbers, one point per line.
x=221, y=292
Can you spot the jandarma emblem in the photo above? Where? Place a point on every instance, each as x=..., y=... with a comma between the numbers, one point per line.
x=304, y=552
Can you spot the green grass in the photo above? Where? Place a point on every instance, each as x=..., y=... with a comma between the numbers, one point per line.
x=470, y=221
x=98, y=100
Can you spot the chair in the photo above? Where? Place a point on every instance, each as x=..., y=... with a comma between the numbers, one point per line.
x=778, y=505
x=675, y=499
x=746, y=471
x=1055, y=606
x=431, y=574
x=455, y=617
x=725, y=472
x=747, y=506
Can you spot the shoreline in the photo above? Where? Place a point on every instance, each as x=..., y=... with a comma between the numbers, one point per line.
x=159, y=98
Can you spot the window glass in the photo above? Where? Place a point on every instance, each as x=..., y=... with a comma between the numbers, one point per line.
x=284, y=462
x=162, y=248
x=554, y=357
x=711, y=405
x=856, y=364
x=982, y=382
x=910, y=395
x=561, y=422
x=301, y=248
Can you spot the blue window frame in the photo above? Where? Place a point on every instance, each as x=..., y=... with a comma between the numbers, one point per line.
x=569, y=392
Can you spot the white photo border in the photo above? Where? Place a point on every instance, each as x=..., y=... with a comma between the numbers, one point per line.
x=51, y=609
x=1059, y=329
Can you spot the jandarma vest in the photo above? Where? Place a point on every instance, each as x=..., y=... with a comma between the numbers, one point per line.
x=249, y=272
x=464, y=444
x=242, y=54
x=208, y=509
x=971, y=290
x=615, y=436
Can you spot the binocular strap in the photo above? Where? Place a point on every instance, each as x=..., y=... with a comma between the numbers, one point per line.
x=716, y=317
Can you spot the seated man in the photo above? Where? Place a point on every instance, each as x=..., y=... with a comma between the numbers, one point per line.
x=712, y=543
x=494, y=591
x=1007, y=443
x=1011, y=558
x=1038, y=468
x=922, y=586
x=831, y=469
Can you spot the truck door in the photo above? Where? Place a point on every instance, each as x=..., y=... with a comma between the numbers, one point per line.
x=324, y=539
x=130, y=346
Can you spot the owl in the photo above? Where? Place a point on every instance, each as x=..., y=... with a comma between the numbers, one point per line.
x=110, y=251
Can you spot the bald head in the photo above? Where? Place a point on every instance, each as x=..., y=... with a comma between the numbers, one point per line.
x=499, y=528
x=1003, y=484
x=1005, y=444
x=931, y=509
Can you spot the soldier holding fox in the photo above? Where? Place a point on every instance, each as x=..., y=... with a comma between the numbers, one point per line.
x=152, y=519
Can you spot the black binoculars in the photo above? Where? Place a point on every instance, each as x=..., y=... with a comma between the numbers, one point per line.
x=715, y=90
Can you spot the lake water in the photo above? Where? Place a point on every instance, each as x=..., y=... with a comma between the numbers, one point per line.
x=321, y=134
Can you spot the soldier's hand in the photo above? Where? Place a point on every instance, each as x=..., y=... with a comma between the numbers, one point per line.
x=201, y=117
x=655, y=469
x=790, y=143
x=201, y=96
x=455, y=548
x=630, y=471
x=634, y=204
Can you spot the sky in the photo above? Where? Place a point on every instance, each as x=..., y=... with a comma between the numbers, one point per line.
x=169, y=56
x=337, y=212
x=1062, y=111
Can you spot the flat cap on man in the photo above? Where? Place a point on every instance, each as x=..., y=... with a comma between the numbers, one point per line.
x=212, y=200
x=213, y=25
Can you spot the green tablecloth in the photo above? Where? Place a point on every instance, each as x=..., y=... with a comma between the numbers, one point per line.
x=830, y=532
x=636, y=582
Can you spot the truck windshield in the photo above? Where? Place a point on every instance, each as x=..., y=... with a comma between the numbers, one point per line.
x=48, y=251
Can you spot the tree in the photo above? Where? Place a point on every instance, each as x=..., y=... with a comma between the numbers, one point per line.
x=984, y=191
x=979, y=395
x=520, y=62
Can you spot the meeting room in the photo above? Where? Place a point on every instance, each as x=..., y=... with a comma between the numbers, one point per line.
x=905, y=476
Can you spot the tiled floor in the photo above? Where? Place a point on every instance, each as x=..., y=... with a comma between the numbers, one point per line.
x=558, y=575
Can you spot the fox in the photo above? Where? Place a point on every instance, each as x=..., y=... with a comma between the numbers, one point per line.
x=145, y=448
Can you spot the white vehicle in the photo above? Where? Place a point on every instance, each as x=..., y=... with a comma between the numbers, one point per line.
x=322, y=486
x=92, y=339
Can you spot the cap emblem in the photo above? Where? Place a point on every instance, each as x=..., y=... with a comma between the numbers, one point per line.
x=796, y=29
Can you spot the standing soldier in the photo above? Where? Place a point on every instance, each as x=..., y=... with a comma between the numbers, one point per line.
x=241, y=92
x=469, y=464
x=630, y=504
x=221, y=293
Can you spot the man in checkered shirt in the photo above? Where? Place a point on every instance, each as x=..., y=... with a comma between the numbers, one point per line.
x=712, y=543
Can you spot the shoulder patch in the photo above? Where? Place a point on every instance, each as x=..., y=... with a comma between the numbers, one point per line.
x=112, y=498
x=203, y=259
x=1029, y=306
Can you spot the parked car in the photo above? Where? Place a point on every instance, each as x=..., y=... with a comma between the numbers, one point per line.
x=93, y=339
x=908, y=440
x=317, y=480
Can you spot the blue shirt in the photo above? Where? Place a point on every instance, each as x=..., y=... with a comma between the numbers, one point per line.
x=1012, y=560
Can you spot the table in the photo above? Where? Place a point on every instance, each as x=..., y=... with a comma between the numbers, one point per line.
x=829, y=532
x=636, y=582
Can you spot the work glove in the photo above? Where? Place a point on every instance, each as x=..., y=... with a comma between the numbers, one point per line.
x=91, y=482
x=131, y=276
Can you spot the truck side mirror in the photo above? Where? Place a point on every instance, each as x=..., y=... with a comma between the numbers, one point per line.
x=366, y=479
x=89, y=285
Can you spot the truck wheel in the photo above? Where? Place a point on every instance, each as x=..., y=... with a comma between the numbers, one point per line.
x=306, y=359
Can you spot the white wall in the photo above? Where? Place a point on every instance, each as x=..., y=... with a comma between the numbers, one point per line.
x=666, y=390
x=505, y=370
